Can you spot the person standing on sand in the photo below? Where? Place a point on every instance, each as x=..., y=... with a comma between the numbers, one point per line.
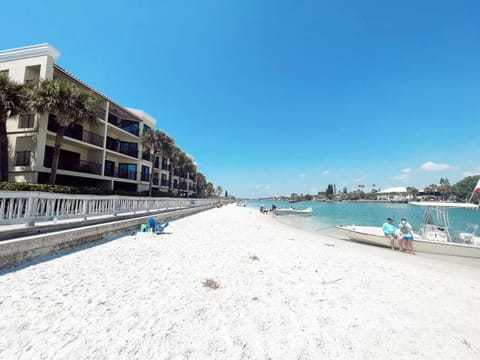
x=389, y=230
x=407, y=235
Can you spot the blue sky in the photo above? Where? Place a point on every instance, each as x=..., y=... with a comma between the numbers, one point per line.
x=275, y=97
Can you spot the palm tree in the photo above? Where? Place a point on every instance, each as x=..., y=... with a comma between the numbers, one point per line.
x=174, y=158
x=183, y=167
x=69, y=104
x=151, y=143
x=210, y=190
x=201, y=185
x=13, y=101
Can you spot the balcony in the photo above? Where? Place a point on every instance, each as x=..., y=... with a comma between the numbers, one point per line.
x=22, y=158
x=76, y=132
x=124, y=124
x=120, y=173
x=81, y=166
x=121, y=147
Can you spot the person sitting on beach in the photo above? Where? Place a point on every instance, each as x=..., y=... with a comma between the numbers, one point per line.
x=407, y=235
x=389, y=230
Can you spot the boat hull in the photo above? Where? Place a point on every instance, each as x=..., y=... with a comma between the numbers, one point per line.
x=374, y=236
x=302, y=212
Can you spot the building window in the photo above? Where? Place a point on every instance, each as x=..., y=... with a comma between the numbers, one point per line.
x=164, y=163
x=26, y=121
x=164, y=180
x=68, y=160
x=4, y=72
x=22, y=158
x=127, y=171
x=109, y=168
x=145, y=173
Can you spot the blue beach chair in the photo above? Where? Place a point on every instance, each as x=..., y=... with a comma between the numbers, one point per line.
x=157, y=226
x=160, y=227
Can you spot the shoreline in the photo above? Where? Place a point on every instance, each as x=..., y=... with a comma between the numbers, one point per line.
x=283, y=293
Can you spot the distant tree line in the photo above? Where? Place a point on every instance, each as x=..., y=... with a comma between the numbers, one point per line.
x=460, y=191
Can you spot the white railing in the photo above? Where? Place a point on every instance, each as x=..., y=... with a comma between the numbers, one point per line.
x=28, y=207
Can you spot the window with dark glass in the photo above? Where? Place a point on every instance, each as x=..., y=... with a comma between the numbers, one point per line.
x=112, y=119
x=68, y=160
x=22, y=158
x=26, y=121
x=109, y=168
x=145, y=173
x=164, y=163
x=127, y=171
x=130, y=125
x=164, y=180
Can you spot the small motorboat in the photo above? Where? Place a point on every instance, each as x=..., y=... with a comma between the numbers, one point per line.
x=434, y=236
x=293, y=211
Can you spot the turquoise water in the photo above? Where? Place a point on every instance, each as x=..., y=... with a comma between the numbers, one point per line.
x=326, y=215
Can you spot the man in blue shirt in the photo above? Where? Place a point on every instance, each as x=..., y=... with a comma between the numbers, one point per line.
x=389, y=230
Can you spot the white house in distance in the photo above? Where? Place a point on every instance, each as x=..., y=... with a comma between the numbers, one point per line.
x=394, y=194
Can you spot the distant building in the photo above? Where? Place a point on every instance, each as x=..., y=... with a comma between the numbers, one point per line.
x=106, y=153
x=399, y=193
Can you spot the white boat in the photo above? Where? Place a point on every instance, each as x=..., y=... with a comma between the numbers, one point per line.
x=293, y=211
x=434, y=236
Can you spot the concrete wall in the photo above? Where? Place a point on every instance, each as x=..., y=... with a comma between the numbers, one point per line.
x=14, y=251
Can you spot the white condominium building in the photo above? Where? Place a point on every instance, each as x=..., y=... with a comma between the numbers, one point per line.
x=106, y=153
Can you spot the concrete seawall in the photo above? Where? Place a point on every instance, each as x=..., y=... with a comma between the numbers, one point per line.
x=17, y=250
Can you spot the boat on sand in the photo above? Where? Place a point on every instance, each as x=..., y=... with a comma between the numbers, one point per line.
x=434, y=235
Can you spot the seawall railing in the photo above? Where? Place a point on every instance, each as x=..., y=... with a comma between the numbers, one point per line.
x=29, y=207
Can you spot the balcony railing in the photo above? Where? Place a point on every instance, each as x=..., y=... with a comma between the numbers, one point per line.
x=122, y=147
x=22, y=158
x=127, y=125
x=75, y=133
x=82, y=166
x=120, y=173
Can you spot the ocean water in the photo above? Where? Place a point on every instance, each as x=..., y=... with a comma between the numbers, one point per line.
x=326, y=215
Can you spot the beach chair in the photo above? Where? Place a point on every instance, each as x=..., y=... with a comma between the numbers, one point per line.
x=157, y=226
x=160, y=227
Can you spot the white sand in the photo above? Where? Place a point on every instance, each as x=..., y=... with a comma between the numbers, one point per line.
x=306, y=297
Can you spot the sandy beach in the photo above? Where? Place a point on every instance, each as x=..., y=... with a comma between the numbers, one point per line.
x=231, y=283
